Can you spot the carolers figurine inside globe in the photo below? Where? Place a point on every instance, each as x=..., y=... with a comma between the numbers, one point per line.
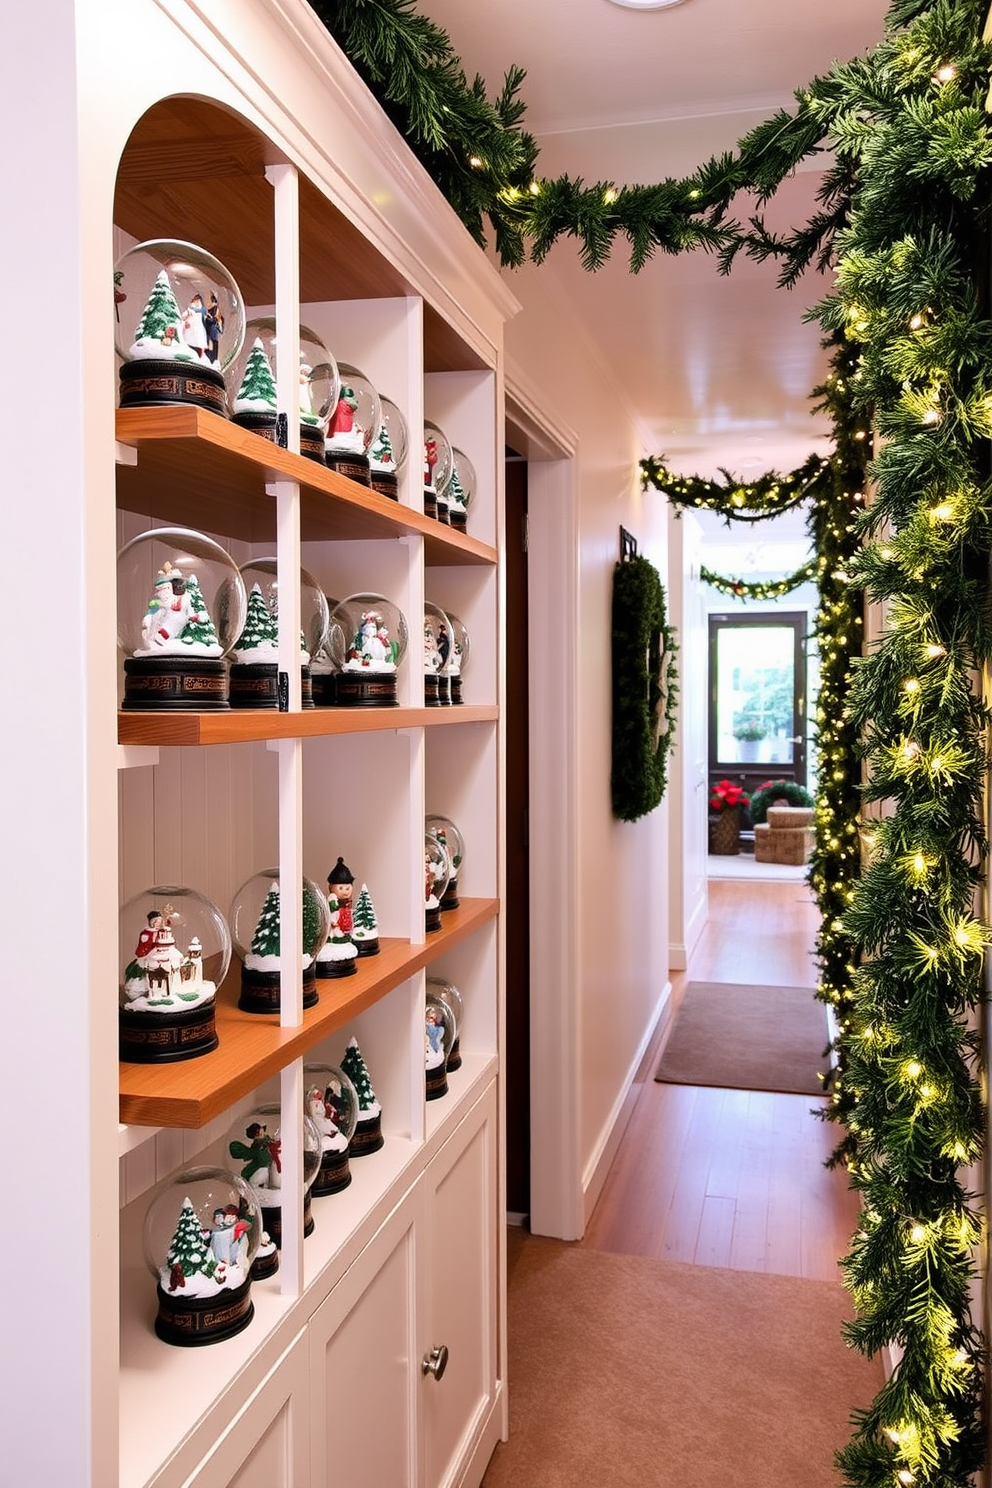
x=367, y=640
x=179, y=320
x=256, y=933
x=174, y=951
x=200, y=1239
x=255, y=1144
x=449, y=994
x=453, y=843
x=251, y=385
x=458, y=656
x=181, y=604
x=255, y=652
x=461, y=488
x=388, y=450
x=437, y=649
x=437, y=470
x=331, y=1102
x=437, y=871
x=352, y=425
x=439, y=1035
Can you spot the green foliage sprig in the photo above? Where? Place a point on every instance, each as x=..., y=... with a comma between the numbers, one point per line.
x=739, y=501
x=766, y=795
x=759, y=588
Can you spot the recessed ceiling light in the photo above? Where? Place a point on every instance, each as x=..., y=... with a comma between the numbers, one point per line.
x=647, y=4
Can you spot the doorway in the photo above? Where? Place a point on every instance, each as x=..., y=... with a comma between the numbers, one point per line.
x=758, y=696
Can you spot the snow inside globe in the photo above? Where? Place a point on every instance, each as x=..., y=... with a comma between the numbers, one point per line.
x=255, y=652
x=354, y=422
x=368, y=638
x=181, y=604
x=458, y=655
x=200, y=1239
x=251, y=385
x=437, y=470
x=439, y=1035
x=256, y=933
x=331, y=1102
x=388, y=450
x=255, y=1144
x=461, y=489
x=449, y=994
x=179, y=320
x=437, y=871
x=437, y=648
x=174, y=952
x=451, y=839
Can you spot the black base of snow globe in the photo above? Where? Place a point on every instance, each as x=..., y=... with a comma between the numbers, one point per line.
x=333, y=1175
x=441, y=514
x=450, y=899
x=264, y=425
x=368, y=947
x=365, y=690
x=431, y=699
x=457, y=517
x=188, y=684
x=443, y=691
x=272, y=1221
x=432, y=919
x=346, y=462
x=342, y=968
x=430, y=503
x=436, y=1083
x=266, y=1263
x=260, y=990
x=454, y=1057
x=455, y=688
x=386, y=482
x=323, y=689
x=159, y=1038
x=255, y=684
x=367, y=1137
x=195, y=1321
x=150, y=382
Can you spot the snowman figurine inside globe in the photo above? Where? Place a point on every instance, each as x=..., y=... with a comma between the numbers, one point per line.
x=175, y=949
x=331, y=1102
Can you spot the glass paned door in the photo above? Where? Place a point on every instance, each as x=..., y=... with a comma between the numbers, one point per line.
x=758, y=694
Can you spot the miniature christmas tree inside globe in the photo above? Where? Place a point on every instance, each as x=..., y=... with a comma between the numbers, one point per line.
x=439, y=1035
x=201, y=1236
x=367, y=1136
x=449, y=994
x=255, y=653
x=331, y=1102
x=179, y=321
x=364, y=924
x=458, y=656
x=437, y=871
x=461, y=488
x=181, y=604
x=174, y=952
x=437, y=649
x=437, y=467
x=453, y=843
x=388, y=450
x=251, y=385
x=367, y=636
x=255, y=1145
x=256, y=933
x=354, y=422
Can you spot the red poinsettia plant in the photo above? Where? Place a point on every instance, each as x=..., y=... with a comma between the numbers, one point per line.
x=726, y=794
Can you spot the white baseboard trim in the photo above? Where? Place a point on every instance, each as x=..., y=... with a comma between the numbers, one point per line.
x=678, y=957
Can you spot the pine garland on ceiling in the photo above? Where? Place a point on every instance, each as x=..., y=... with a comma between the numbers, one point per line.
x=738, y=588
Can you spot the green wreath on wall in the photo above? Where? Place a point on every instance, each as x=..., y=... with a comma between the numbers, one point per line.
x=645, y=689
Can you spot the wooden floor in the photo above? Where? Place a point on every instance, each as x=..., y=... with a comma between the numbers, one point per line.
x=731, y=1177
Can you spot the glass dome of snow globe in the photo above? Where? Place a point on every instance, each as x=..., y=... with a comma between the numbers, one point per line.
x=181, y=604
x=449, y=994
x=331, y=1102
x=174, y=950
x=255, y=653
x=388, y=450
x=323, y=670
x=367, y=639
x=179, y=321
x=251, y=384
x=451, y=839
x=201, y=1235
x=437, y=468
x=255, y=921
x=461, y=488
x=437, y=871
x=439, y=1035
x=458, y=656
x=255, y=1146
x=354, y=422
x=437, y=648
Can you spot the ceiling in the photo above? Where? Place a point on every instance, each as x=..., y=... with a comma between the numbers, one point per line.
x=718, y=370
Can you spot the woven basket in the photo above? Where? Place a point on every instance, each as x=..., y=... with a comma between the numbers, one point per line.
x=725, y=832
x=790, y=816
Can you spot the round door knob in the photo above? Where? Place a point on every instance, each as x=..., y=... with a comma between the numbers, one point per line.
x=436, y=1362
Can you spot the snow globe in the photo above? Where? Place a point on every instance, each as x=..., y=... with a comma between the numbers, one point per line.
x=364, y=924
x=255, y=653
x=437, y=871
x=437, y=468
x=453, y=843
x=255, y=931
x=439, y=1035
x=437, y=649
x=251, y=383
x=323, y=671
x=331, y=1102
x=367, y=1136
x=183, y=325
x=180, y=606
x=368, y=636
x=458, y=655
x=461, y=489
x=449, y=994
x=353, y=423
x=255, y=1143
x=388, y=450
x=175, y=949
x=200, y=1239
x=338, y=955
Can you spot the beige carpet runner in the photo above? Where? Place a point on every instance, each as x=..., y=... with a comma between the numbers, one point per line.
x=747, y=1038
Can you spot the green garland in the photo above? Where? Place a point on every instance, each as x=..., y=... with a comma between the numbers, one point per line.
x=760, y=588
x=739, y=501
x=777, y=790
x=645, y=689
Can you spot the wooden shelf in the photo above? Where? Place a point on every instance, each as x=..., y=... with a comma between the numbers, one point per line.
x=200, y=470
x=248, y=726
x=253, y=1047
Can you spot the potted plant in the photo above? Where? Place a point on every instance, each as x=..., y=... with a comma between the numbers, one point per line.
x=749, y=734
x=726, y=802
